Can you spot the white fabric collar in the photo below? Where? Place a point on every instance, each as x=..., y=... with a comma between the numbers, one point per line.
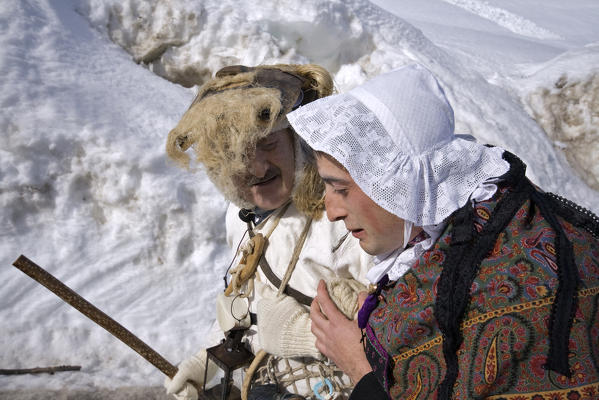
x=397, y=262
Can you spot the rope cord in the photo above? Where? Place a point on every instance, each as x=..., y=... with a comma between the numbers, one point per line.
x=275, y=223
x=245, y=386
x=287, y=376
x=295, y=257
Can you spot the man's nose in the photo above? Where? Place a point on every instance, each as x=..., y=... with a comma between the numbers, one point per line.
x=258, y=165
x=335, y=211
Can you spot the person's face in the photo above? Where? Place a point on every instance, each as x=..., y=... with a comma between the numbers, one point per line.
x=378, y=230
x=271, y=171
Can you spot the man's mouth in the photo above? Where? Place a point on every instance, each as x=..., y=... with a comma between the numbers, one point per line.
x=265, y=180
x=357, y=233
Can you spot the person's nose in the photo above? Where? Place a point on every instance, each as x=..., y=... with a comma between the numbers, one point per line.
x=334, y=208
x=258, y=165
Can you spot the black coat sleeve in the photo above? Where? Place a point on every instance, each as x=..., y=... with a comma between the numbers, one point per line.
x=368, y=388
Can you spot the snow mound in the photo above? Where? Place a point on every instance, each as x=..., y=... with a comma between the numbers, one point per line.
x=355, y=41
x=187, y=42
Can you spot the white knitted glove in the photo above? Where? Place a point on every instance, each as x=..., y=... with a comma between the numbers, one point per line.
x=232, y=312
x=191, y=369
x=344, y=293
x=284, y=328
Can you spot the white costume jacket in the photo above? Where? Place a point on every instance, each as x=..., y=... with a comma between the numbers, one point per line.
x=328, y=253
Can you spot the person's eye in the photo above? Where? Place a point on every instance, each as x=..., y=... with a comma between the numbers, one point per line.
x=267, y=146
x=336, y=189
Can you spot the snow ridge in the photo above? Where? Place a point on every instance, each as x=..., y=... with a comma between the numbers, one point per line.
x=512, y=22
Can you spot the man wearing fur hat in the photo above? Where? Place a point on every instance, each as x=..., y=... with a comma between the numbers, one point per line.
x=239, y=133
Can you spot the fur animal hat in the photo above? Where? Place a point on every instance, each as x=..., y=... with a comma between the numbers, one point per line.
x=237, y=108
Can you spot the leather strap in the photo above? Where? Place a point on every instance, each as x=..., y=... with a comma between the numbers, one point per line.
x=289, y=291
x=270, y=275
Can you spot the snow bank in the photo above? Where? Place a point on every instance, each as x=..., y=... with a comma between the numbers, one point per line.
x=86, y=192
x=187, y=42
x=356, y=41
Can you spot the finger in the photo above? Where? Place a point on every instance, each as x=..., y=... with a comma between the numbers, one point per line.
x=329, y=308
x=316, y=315
x=320, y=337
x=177, y=383
x=322, y=288
x=322, y=295
x=319, y=344
x=188, y=392
x=318, y=333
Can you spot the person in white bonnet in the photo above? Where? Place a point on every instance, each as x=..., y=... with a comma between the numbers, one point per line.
x=486, y=286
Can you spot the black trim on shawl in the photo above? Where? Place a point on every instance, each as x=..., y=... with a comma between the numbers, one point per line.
x=573, y=213
x=566, y=300
x=369, y=388
x=468, y=248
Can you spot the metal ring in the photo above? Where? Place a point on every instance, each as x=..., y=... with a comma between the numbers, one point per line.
x=233, y=315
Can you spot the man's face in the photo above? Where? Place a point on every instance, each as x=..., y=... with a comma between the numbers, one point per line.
x=271, y=171
x=378, y=230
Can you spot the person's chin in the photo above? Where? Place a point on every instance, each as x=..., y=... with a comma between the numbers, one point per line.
x=366, y=246
x=266, y=189
x=268, y=197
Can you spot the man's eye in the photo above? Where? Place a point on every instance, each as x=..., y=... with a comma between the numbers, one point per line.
x=267, y=146
x=334, y=189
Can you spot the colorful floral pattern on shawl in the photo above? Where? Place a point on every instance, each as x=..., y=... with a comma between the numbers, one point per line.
x=505, y=328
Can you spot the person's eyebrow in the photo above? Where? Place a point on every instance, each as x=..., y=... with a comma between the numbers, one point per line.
x=331, y=180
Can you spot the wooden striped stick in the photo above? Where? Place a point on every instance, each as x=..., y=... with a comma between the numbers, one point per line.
x=92, y=312
x=40, y=370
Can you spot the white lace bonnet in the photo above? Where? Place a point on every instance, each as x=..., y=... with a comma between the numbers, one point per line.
x=395, y=136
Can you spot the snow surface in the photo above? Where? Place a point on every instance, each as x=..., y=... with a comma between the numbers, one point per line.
x=87, y=192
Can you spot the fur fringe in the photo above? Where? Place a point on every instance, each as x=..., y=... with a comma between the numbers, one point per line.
x=226, y=120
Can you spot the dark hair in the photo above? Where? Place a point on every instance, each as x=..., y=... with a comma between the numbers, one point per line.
x=317, y=154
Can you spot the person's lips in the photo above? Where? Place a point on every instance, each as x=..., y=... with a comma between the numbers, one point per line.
x=270, y=176
x=265, y=181
x=357, y=233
